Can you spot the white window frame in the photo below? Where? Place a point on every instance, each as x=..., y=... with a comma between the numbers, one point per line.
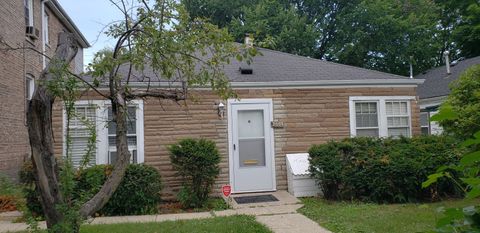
x=30, y=12
x=46, y=18
x=130, y=148
x=30, y=81
x=428, y=122
x=382, y=112
x=101, y=156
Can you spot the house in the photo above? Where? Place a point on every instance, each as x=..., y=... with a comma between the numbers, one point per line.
x=28, y=29
x=286, y=103
x=435, y=90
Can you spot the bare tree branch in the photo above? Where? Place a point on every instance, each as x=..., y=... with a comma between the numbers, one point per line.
x=89, y=85
x=158, y=93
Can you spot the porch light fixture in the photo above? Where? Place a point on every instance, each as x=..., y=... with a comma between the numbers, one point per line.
x=221, y=109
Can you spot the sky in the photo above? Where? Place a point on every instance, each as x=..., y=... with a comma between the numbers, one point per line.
x=91, y=16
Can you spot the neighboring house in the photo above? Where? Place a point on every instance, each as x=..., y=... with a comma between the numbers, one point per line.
x=286, y=103
x=435, y=90
x=28, y=29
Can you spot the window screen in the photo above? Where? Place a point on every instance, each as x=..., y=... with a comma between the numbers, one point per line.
x=366, y=115
x=131, y=135
x=397, y=118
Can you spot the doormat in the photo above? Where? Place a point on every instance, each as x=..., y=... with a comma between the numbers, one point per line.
x=255, y=199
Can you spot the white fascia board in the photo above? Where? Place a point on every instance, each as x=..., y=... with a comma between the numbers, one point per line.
x=67, y=21
x=300, y=84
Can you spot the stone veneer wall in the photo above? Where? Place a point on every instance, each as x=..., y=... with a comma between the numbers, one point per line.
x=310, y=116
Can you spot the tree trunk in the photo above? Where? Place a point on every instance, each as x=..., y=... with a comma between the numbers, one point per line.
x=39, y=122
x=119, y=112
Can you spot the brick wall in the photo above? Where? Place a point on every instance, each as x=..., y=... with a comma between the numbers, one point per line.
x=310, y=116
x=14, y=65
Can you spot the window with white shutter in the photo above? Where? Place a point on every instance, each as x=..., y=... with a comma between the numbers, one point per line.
x=80, y=126
x=99, y=114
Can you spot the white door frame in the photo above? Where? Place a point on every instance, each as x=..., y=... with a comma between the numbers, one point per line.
x=230, y=139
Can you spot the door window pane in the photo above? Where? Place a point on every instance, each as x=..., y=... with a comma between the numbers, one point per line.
x=250, y=123
x=251, y=139
x=251, y=152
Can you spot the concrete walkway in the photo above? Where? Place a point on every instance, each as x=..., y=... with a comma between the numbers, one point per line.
x=280, y=217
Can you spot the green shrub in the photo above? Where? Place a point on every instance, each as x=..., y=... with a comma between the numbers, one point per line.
x=29, y=189
x=464, y=101
x=383, y=170
x=196, y=161
x=138, y=193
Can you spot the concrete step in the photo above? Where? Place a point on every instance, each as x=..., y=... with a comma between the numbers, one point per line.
x=10, y=216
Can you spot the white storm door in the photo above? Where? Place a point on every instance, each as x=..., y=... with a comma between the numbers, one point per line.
x=251, y=148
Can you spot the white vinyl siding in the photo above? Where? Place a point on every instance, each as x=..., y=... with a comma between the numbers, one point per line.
x=99, y=112
x=380, y=116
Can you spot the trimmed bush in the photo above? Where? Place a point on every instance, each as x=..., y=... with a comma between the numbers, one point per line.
x=196, y=161
x=383, y=170
x=138, y=193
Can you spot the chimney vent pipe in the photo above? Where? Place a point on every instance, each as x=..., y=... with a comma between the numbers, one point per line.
x=447, y=61
x=248, y=40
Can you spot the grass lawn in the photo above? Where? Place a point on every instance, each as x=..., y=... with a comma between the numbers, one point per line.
x=239, y=223
x=343, y=217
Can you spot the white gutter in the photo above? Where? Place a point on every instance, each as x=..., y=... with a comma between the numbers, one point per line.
x=328, y=83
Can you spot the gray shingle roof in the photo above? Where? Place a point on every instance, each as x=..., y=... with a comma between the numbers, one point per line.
x=273, y=66
x=437, y=80
x=279, y=66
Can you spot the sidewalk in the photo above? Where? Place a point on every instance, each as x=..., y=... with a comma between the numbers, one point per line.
x=280, y=217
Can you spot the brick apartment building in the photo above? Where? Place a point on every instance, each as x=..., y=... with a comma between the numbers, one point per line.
x=28, y=29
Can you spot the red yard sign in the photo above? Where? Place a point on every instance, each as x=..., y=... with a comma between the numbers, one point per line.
x=226, y=190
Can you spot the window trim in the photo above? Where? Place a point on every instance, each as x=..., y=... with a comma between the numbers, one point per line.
x=101, y=156
x=382, y=112
x=46, y=28
x=30, y=12
x=428, y=126
x=377, y=103
x=31, y=87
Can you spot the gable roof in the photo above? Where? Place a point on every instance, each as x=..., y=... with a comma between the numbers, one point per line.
x=437, y=80
x=279, y=66
x=279, y=69
x=68, y=22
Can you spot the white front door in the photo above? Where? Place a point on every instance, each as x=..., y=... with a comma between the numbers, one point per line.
x=252, y=161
